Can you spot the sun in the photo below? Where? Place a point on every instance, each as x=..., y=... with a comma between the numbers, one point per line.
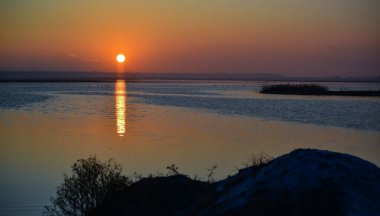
x=120, y=58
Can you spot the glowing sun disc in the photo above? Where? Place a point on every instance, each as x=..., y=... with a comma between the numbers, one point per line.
x=120, y=58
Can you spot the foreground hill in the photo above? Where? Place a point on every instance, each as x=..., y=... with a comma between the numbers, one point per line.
x=303, y=182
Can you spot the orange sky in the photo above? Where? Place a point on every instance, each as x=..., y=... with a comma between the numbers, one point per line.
x=295, y=37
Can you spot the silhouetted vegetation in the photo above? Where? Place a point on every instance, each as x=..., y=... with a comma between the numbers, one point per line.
x=90, y=184
x=257, y=160
x=211, y=174
x=294, y=89
x=265, y=186
x=173, y=169
x=93, y=182
x=312, y=89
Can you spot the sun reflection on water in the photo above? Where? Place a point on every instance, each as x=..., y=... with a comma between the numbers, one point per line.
x=120, y=104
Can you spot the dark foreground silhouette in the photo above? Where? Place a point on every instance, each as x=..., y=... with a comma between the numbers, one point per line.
x=303, y=182
x=312, y=89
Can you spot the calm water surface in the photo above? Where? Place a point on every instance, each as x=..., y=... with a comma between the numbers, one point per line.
x=45, y=127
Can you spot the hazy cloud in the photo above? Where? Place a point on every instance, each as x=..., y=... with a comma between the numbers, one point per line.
x=85, y=59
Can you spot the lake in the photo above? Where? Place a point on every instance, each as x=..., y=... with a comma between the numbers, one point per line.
x=145, y=126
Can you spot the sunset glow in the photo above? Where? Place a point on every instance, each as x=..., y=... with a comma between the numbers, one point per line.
x=120, y=58
x=120, y=105
x=303, y=38
x=100, y=96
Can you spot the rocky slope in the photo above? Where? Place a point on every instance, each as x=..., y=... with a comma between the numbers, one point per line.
x=303, y=182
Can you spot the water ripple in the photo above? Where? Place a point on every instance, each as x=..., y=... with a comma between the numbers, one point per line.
x=357, y=114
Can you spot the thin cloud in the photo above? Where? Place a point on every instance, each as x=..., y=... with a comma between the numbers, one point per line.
x=72, y=55
x=75, y=56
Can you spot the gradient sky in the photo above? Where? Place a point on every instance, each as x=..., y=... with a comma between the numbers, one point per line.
x=293, y=37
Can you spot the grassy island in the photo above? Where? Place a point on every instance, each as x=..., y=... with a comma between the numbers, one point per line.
x=312, y=89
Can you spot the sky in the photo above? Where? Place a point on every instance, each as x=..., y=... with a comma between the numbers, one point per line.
x=293, y=37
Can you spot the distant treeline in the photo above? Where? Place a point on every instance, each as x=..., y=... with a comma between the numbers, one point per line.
x=311, y=89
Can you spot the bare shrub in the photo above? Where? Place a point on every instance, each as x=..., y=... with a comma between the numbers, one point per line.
x=91, y=183
x=211, y=173
x=172, y=169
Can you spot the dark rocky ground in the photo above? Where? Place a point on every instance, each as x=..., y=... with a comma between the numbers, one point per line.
x=303, y=182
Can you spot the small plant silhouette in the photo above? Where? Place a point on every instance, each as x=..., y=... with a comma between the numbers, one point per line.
x=257, y=160
x=172, y=169
x=92, y=182
x=211, y=174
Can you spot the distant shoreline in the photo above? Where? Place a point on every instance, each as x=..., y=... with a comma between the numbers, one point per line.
x=37, y=76
x=159, y=80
